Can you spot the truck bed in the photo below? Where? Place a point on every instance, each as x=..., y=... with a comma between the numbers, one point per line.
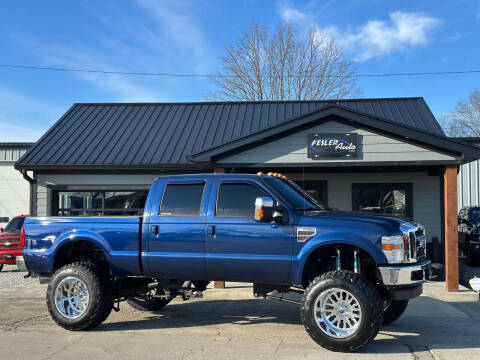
x=118, y=237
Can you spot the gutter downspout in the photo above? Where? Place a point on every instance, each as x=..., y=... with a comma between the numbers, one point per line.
x=33, y=191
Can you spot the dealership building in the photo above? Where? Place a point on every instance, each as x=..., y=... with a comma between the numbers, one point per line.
x=373, y=155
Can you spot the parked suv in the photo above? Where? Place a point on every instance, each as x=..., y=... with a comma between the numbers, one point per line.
x=469, y=234
x=10, y=246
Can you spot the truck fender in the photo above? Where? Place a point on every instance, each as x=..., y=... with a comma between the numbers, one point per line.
x=81, y=235
x=319, y=241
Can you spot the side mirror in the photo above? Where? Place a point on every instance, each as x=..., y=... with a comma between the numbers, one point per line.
x=263, y=209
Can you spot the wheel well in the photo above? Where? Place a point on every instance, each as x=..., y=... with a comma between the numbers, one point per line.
x=323, y=260
x=80, y=250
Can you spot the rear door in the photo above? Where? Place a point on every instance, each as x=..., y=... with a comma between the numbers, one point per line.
x=177, y=231
x=237, y=247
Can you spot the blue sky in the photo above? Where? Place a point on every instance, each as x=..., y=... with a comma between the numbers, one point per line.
x=188, y=36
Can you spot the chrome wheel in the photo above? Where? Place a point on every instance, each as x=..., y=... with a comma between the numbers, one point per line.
x=337, y=313
x=71, y=297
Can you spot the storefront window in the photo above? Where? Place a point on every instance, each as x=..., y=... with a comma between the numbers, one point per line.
x=387, y=199
x=100, y=203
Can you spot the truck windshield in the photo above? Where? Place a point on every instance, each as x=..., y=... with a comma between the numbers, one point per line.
x=15, y=224
x=294, y=194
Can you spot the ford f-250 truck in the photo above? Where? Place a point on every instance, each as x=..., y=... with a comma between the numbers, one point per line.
x=356, y=272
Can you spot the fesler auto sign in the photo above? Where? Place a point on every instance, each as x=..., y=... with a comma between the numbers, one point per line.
x=332, y=145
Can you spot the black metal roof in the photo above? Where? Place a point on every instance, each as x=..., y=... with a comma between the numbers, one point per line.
x=139, y=134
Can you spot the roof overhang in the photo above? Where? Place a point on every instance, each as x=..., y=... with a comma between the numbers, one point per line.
x=462, y=151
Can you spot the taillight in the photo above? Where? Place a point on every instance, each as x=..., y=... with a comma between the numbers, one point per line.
x=22, y=237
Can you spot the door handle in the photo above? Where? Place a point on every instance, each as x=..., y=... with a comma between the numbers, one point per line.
x=211, y=230
x=154, y=230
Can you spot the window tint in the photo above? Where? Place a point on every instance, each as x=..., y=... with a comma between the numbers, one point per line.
x=15, y=224
x=293, y=194
x=237, y=200
x=182, y=200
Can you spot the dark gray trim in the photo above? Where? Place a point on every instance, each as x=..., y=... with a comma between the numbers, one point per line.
x=346, y=164
x=113, y=187
x=16, y=145
x=49, y=202
x=68, y=168
x=33, y=195
x=399, y=131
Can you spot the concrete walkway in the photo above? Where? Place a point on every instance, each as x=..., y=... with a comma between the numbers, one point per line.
x=232, y=324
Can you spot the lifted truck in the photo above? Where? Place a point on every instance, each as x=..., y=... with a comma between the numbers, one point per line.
x=356, y=272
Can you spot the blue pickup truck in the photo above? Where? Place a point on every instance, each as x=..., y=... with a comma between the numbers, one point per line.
x=356, y=272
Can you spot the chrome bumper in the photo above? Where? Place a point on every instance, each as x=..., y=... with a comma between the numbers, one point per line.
x=20, y=262
x=414, y=274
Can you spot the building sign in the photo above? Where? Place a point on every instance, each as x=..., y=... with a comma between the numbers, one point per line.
x=332, y=145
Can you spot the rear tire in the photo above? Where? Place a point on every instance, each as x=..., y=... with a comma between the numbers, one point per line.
x=394, y=311
x=79, y=296
x=348, y=299
x=148, y=302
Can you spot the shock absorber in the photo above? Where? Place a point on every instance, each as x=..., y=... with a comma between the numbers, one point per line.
x=339, y=260
x=356, y=262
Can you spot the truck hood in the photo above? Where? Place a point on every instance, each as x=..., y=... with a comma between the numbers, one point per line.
x=390, y=224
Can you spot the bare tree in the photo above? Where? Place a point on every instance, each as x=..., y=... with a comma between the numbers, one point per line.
x=465, y=119
x=278, y=65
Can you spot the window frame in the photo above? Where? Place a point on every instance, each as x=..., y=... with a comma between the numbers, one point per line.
x=407, y=186
x=202, y=199
x=237, y=183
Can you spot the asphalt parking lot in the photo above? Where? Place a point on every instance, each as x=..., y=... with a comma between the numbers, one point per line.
x=228, y=324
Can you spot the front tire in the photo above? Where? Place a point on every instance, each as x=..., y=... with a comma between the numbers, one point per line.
x=79, y=296
x=342, y=311
x=394, y=311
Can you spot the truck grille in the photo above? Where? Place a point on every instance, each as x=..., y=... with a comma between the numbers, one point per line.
x=417, y=245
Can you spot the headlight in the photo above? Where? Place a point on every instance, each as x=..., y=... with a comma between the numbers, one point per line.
x=394, y=248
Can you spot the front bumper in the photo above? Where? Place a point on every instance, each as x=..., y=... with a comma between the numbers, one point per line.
x=405, y=275
x=21, y=263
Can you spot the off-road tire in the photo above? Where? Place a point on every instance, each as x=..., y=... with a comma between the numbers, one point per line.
x=100, y=293
x=368, y=298
x=148, y=304
x=394, y=311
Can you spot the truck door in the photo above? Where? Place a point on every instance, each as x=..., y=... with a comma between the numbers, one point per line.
x=237, y=247
x=177, y=231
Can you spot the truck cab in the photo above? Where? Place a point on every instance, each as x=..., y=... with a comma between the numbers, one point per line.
x=355, y=272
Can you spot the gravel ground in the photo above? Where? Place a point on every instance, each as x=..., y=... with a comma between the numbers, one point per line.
x=10, y=277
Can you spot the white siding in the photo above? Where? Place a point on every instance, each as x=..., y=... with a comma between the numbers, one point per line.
x=14, y=192
x=426, y=193
x=372, y=148
x=468, y=184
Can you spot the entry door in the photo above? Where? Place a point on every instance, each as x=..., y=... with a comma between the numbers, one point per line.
x=177, y=233
x=237, y=247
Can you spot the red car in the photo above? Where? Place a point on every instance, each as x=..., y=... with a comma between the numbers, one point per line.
x=10, y=246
